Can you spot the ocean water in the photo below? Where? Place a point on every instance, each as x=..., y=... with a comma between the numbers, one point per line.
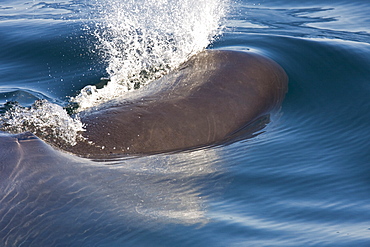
x=303, y=181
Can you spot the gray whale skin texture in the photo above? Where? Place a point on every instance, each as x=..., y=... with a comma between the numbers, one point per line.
x=211, y=99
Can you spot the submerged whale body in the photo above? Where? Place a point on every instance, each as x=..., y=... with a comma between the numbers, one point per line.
x=209, y=100
x=52, y=198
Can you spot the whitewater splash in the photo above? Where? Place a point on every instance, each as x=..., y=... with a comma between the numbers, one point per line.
x=143, y=39
x=45, y=119
x=140, y=40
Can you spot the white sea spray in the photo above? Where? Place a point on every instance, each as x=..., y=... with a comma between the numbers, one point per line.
x=47, y=120
x=143, y=39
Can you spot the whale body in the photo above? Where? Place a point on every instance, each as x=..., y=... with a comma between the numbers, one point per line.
x=211, y=99
x=51, y=198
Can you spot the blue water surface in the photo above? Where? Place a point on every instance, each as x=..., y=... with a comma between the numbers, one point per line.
x=303, y=181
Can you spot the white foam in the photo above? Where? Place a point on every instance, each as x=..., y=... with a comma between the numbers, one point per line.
x=143, y=39
x=47, y=120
